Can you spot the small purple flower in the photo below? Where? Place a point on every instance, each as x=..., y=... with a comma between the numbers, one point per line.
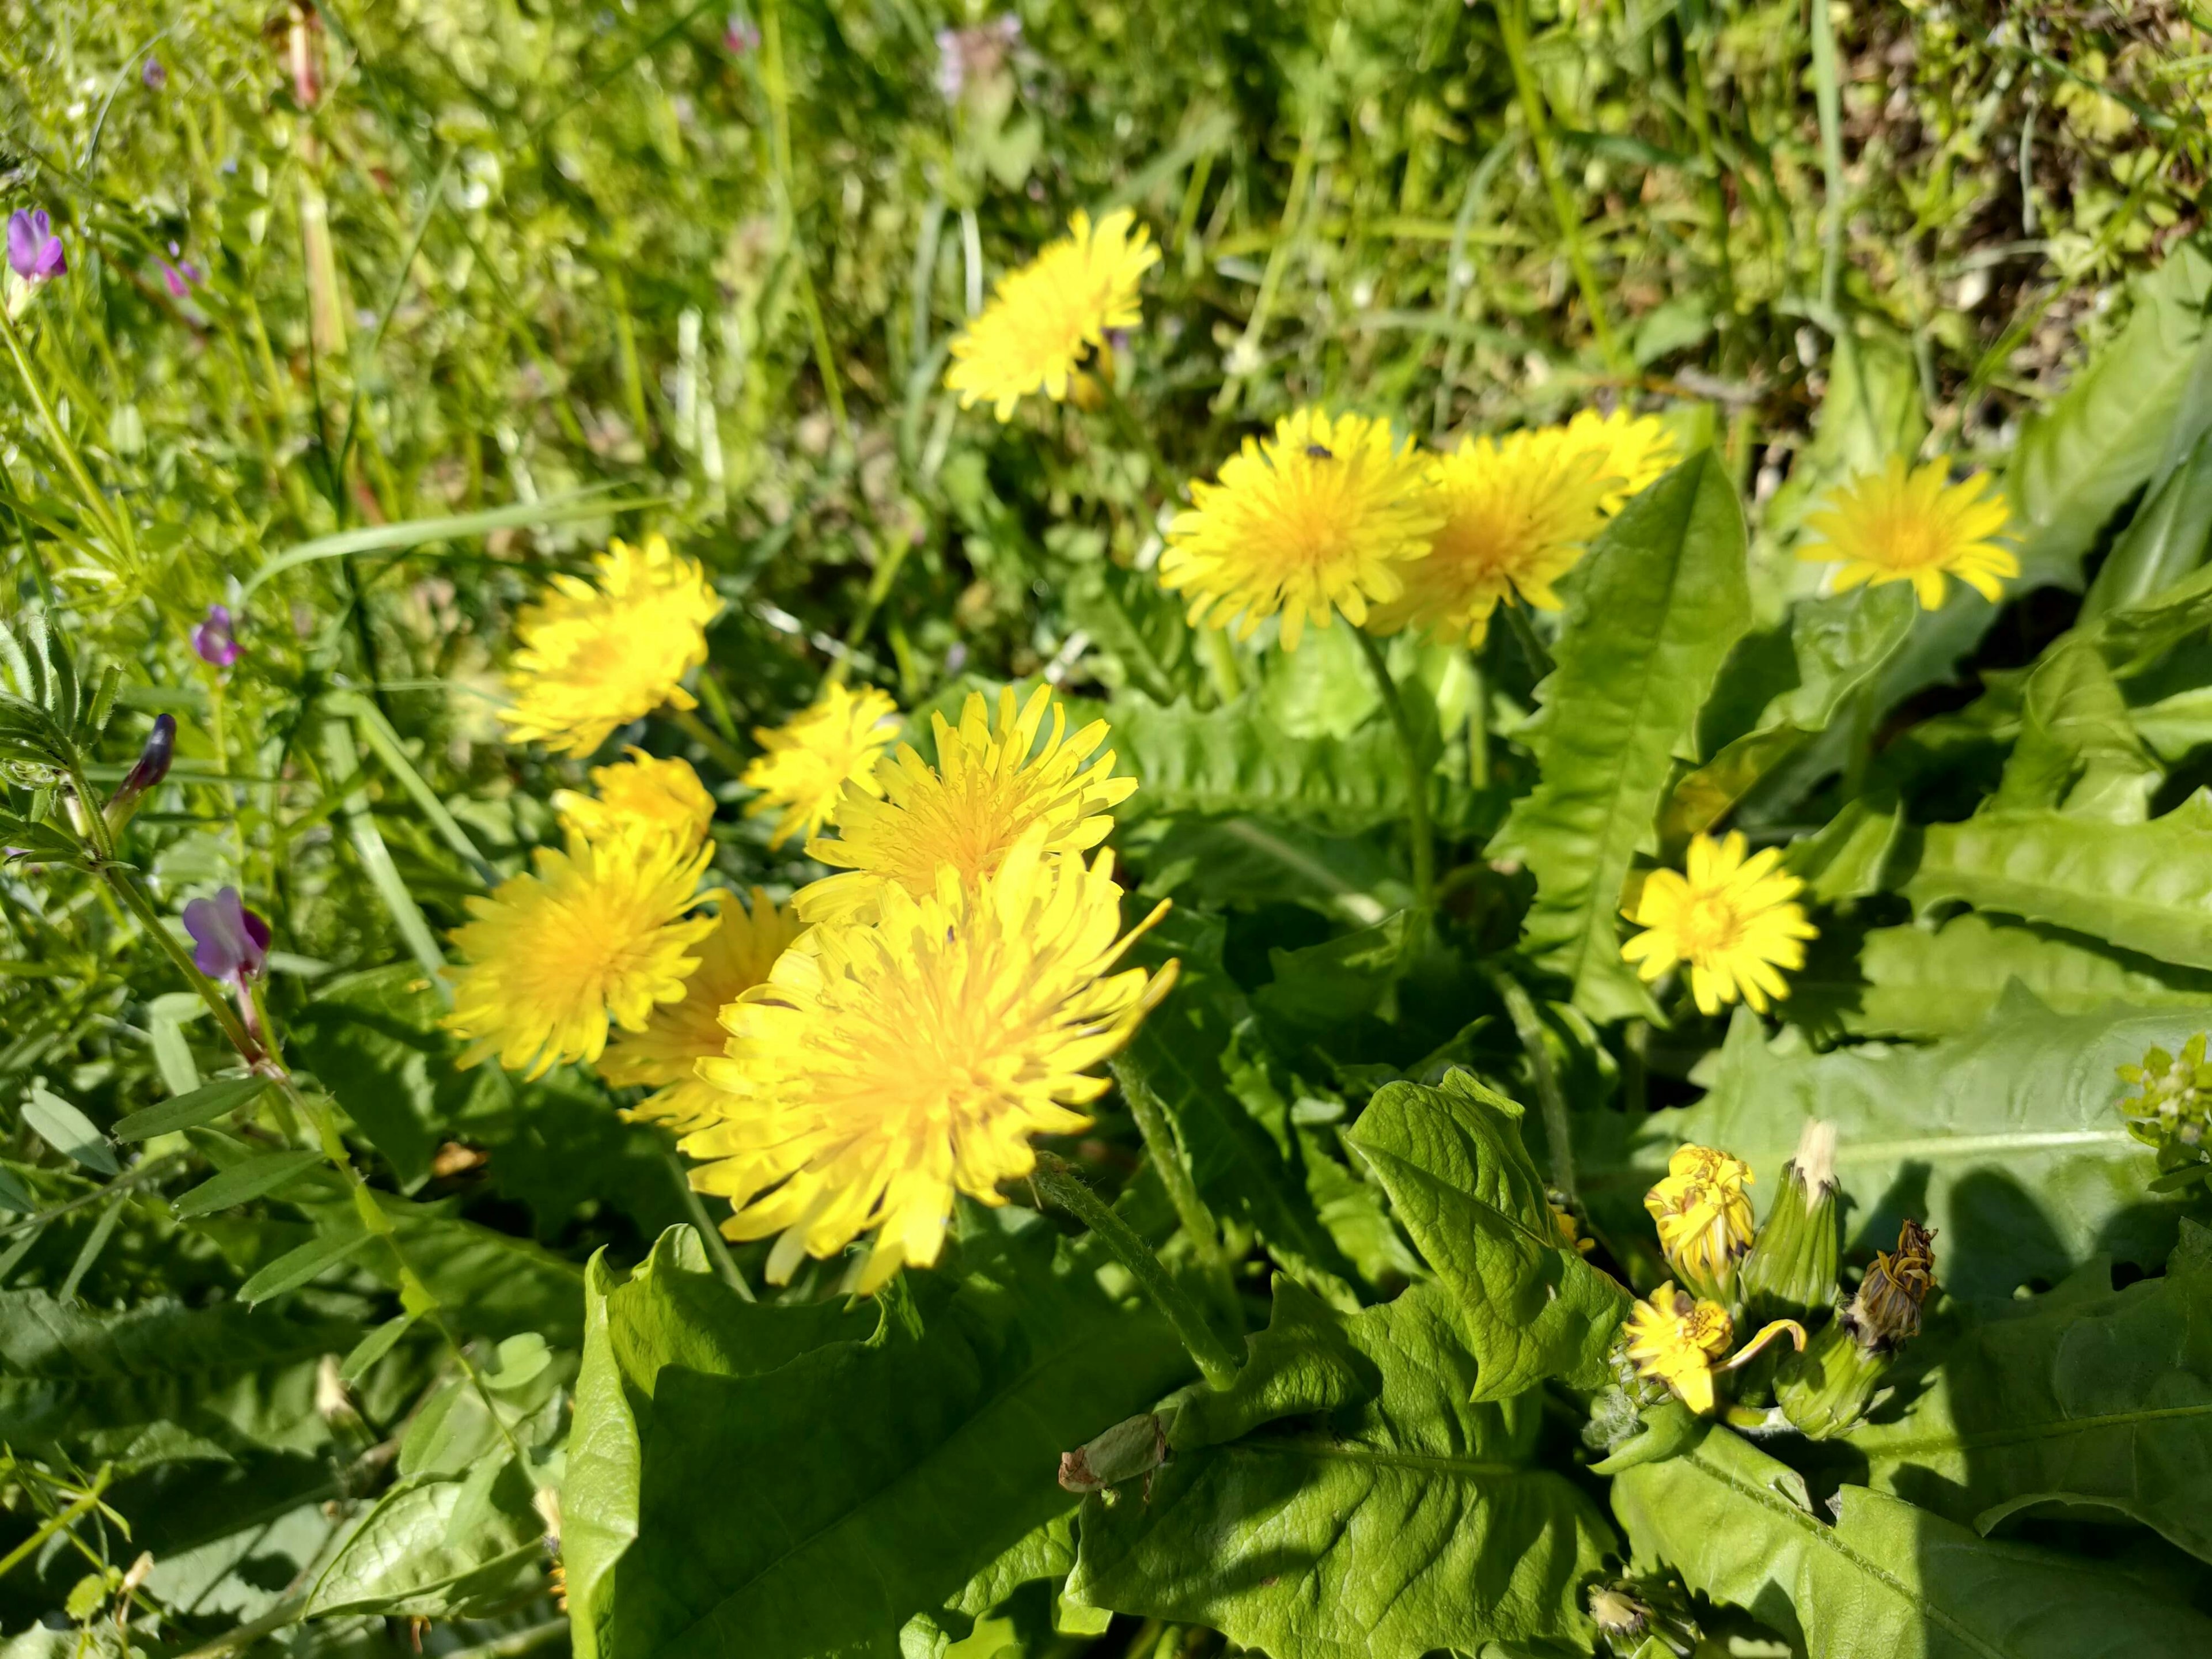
x=151, y=767
x=229, y=942
x=741, y=37
x=34, y=252
x=154, y=75
x=975, y=53
x=215, y=640
x=180, y=277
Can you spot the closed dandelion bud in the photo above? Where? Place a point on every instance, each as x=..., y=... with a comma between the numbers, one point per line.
x=1642, y=1619
x=1791, y=1269
x=1830, y=1387
x=1703, y=1218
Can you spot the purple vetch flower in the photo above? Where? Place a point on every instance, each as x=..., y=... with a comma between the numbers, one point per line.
x=741, y=37
x=975, y=53
x=34, y=252
x=229, y=942
x=215, y=639
x=180, y=277
x=154, y=75
x=151, y=767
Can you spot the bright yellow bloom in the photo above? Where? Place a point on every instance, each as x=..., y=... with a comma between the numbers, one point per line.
x=1634, y=452
x=1518, y=512
x=1043, y=318
x=588, y=936
x=1896, y=526
x=806, y=764
x=1322, y=516
x=665, y=1055
x=592, y=659
x=1680, y=1340
x=1731, y=919
x=1703, y=1216
x=987, y=791
x=659, y=800
x=884, y=1068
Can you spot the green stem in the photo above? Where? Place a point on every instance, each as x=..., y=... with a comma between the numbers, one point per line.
x=1827, y=98
x=1524, y=636
x=136, y=1176
x=1416, y=772
x=95, y=502
x=725, y=752
x=773, y=78
x=83, y=1506
x=718, y=1249
x=1058, y=1183
x=1558, y=1129
x=1166, y=1155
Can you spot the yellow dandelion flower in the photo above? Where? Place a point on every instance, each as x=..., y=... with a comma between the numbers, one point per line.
x=1732, y=919
x=595, y=658
x=1321, y=516
x=807, y=764
x=1517, y=512
x=664, y=1056
x=1703, y=1215
x=988, y=789
x=1634, y=452
x=1043, y=318
x=884, y=1068
x=1899, y=526
x=659, y=799
x=588, y=937
x=1680, y=1340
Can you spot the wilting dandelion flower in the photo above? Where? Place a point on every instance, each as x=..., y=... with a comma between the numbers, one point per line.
x=1896, y=525
x=1732, y=919
x=1044, y=317
x=664, y=1056
x=805, y=764
x=1321, y=516
x=1679, y=1339
x=885, y=1068
x=1703, y=1215
x=1633, y=451
x=595, y=658
x=986, y=793
x=588, y=937
x=643, y=797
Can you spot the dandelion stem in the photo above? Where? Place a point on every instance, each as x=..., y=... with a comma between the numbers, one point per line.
x=723, y=752
x=1417, y=771
x=1166, y=1155
x=718, y=1249
x=1058, y=1181
x=1558, y=1129
x=1524, y=636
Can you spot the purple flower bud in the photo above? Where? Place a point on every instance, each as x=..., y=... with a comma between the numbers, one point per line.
x=152, y=766
x=741, y=37
x=34, y=252
x=215, y=640
x=229, y=941
x=154, y=75
x=181, y=275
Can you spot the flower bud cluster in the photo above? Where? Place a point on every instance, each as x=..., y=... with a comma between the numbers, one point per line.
x=2170, y=1111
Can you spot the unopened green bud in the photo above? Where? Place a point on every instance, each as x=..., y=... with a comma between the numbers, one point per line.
x=1829, y=1387
x=1790, y=1272
x=1640, y=1619
x=2172, y=1111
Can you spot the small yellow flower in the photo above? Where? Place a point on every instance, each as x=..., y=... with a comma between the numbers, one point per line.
x=1704, y=1215
x=664, y=1056
x=1634, y=452
x=588, y=936
x=1518, y=512
x=659, y=800
x=1321, y=516
x=885, y=1067
x=1731, y=919
x=1896, y=526
x=592, y=659
x=1043, y=318
x=987, y=791
x=806, y=764
x=1680, y=1340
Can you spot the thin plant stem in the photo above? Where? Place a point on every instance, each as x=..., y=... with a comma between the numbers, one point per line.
x=1827, y=99
x=1416, y=772
x=778, y=87
x=1058, y=1182
x=1166, y=1156
x=113, y=527
x=1524, y=636
x=1558, y=1128
x=718, y=1249
x=725, y=752
x=83, y=1506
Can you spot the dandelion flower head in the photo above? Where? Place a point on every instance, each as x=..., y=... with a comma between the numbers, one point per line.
x=1634, y=452
x=1680, y=1340
x=992, y=785
x=885, y=1067
x=804, y=765
x=664, y=1056
x=596, y=657
x=588, y=937
x=1703, y=1214
x=1896, y=525
x=640, y=795
x=1044, y=317
x=1734, y=920
x=1518, y=512
x=1321, y=515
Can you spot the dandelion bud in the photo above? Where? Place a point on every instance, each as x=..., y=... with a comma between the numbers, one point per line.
x=1829, y=1387
x=1639, y=1618
x=1703, y=1219
x=1791, y=1269
x=151, y=767
x=1136, y=1446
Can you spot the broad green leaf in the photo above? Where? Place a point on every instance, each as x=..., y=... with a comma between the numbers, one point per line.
x=1347, y=1498
x=2078, y=750
x=69, y=1131
x=439, y=1548
x=488, y=1283
x=189, y=1111
x=1462, y=1184
x=243, y=1182
x=2174, y=725
x=1881, y=1579
x=800, y=1489
x=2144, y=887
x=295, y=1267
x=1659, y=602
x=2006, y=1141
x=2166, y=540
x=2087, y=1396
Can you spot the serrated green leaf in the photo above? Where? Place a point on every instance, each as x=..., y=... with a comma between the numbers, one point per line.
x=295, y=1267
x=2078, y=750
x=1461, y=1183
x=246, y=1181
x=408, y=1559
x=1660, y=601
x=1884, y=1580
x=2086, y=1397
x=2144, y=887
x=189, y=1111
x=2165, y=541
x=1348, y=1499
